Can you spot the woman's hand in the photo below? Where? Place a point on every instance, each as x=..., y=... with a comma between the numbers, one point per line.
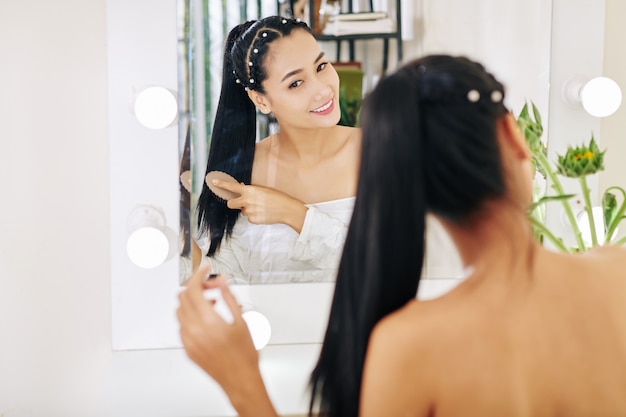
x=264, y=205
x=223, y=350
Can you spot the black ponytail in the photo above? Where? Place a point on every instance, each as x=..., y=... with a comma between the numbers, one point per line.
x=234, y=131
x=426, y=147
x=384, y=246
x=231, y=149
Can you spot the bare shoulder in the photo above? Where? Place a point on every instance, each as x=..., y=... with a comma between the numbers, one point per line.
x=607, y=261
x=606, y=265
x=612, y=253
x=408, y=328
x=399, y=345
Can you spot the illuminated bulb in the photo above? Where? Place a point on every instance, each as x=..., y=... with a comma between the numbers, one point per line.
x=149, y=240
x=601, y=97
x=156, y=107
x=147, y=247
x=259, y=328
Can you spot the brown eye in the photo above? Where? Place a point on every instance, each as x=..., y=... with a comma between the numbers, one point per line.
x=321, y=66
x=295, y=84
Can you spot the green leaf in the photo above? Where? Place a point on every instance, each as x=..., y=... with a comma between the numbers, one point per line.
x=547, y=199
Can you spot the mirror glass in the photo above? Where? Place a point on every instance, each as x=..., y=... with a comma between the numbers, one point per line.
x=511, y=39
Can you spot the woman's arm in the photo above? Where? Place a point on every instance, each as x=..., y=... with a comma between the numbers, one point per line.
x=263, y=205
x=321, y=240
x=223, y=350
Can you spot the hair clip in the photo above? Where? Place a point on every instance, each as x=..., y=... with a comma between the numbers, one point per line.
x=496, y=96
x=250, y=63
x=238, y=81
x=255, y=50
x=284, y=21
x=473, y=96
x=251, y=80
x=298, y=20
x=264, y=34
x=246, y=88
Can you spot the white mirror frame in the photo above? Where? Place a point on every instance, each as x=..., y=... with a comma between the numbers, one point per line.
x=144, y=301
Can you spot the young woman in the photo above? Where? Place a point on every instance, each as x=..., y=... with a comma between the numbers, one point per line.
x=529, y=332
x=296, y=186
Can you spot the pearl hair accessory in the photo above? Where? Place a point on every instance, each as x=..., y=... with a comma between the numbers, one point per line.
x=496, y=96
x=473, y=96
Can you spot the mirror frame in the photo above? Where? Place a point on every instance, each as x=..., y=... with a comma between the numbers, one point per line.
x=143, y=301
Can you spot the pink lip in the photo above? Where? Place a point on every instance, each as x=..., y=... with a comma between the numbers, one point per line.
x=328, y=110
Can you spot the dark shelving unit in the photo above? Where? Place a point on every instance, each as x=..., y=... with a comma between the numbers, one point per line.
x=350, y=39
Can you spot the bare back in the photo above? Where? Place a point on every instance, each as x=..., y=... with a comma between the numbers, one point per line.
x=329, y=174
x=553, y=345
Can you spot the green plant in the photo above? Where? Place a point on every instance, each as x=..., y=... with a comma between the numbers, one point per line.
x=350, y=106
x=578, y=163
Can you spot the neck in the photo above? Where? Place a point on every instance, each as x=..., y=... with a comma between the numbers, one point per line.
x=305, y=144
x=495, y=241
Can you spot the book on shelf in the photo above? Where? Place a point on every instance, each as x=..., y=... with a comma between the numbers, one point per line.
x=358, y=27
x=348, y=17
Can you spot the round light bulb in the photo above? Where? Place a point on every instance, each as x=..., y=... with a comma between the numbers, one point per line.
x=259, y=328
x=147, y=247
x=156, y=107
x=601, y=97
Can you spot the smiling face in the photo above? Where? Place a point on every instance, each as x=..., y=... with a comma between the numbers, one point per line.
x=302, y=87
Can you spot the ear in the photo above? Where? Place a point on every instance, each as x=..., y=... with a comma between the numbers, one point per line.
x=260, y=101
x=514, y=137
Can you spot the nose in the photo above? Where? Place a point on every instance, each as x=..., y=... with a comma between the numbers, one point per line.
x=323, y=90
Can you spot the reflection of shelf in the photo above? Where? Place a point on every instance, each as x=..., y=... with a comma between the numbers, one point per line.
x=342, y=31
x=338, y=27
x=360, y=16
x=356, y=36
x=313, y=8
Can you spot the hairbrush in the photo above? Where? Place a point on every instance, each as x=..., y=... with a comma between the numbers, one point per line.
x=220, y=193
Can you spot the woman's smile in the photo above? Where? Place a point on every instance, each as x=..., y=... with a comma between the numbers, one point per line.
x=325, y=109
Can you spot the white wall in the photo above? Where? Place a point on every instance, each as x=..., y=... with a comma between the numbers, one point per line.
x=613, y=133
x=55, y=325
x=54, y=221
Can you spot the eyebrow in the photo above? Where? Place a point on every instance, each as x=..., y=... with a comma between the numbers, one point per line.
x=290, y=73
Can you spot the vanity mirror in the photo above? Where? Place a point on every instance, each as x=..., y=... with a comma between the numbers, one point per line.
x=513, y=40
x=500, y=41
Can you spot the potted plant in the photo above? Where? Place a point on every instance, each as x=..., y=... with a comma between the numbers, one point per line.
x=578, y=163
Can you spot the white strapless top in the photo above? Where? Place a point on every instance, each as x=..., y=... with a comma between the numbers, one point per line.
x=275, y=253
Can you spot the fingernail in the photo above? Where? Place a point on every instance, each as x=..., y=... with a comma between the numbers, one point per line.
x=211, y=276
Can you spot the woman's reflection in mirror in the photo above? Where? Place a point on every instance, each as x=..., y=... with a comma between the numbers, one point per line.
x=296, y=187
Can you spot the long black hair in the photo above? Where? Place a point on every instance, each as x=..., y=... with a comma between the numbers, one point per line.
x=428, y=146
x=234, y=131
